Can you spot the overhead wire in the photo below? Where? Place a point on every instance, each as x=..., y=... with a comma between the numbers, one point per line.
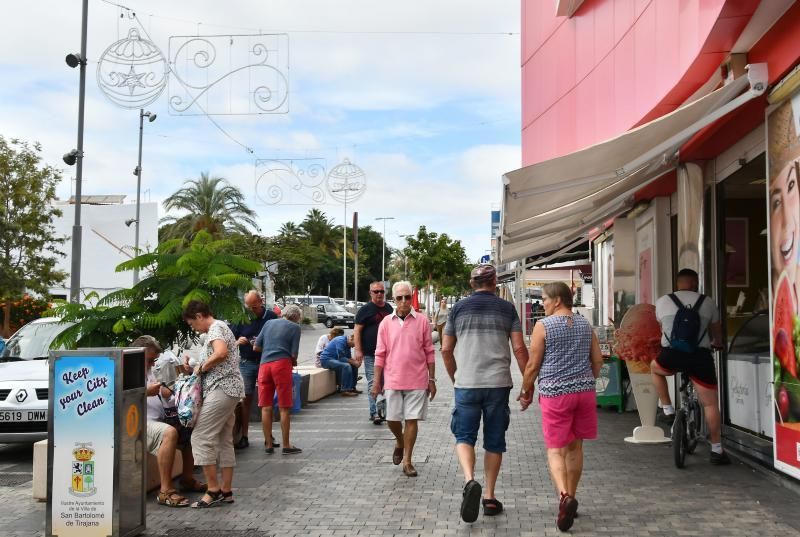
x=323, y=31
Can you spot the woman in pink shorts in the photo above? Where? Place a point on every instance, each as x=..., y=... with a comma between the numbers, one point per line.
x=565, y=357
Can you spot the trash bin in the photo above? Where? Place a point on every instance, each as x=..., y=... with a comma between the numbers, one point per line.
x=96, y=454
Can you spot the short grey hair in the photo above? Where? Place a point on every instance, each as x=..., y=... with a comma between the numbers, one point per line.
x=402, y=283
x=293, y=313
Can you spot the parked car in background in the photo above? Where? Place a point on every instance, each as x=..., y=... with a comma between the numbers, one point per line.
x=24, y=381
x=308, y=300
x=333, y=315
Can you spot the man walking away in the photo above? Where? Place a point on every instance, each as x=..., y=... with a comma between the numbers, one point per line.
x=368, y=318
x=482, y=325
x=245, y=335
x=279, y=343
x=690, y=327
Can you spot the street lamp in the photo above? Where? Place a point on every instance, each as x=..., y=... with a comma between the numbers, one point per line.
x=383, y=258
x=138, y=173
x=76, y=157
x=405, y=256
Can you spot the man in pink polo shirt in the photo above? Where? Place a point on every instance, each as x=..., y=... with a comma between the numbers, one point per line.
x=405, y=369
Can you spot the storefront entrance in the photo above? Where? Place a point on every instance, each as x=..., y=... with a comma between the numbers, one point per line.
x=743, y=288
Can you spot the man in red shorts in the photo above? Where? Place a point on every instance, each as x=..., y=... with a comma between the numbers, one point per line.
x=279, y=343
x=688, y=350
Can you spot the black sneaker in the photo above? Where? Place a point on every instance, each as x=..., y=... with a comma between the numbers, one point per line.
x=719, y=459
x=243, y=443
x=291, y=451
x=667, y=419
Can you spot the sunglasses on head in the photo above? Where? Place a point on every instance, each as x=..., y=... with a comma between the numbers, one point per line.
x=377, y=291
x=398, y=298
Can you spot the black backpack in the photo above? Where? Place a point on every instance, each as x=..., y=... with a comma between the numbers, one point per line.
x=686, y=327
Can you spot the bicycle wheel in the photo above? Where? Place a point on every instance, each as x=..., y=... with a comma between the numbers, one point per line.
x=693, y=427
x=679, y=438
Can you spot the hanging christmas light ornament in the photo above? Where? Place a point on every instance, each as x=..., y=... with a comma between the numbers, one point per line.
x=132, y=72
x=346, y=182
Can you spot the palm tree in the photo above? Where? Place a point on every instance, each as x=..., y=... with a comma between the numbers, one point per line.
x=289, y=230
x=319, y=230
x=213, y=204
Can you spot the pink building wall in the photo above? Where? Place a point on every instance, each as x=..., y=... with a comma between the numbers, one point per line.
x=616, y=64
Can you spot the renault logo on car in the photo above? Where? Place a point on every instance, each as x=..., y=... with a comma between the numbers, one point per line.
x=21, y=395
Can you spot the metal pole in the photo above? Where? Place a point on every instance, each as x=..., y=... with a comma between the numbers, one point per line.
x=344, y=246
x=138, y=194
x=75, y=274
x=383, y=254
x=355, y=258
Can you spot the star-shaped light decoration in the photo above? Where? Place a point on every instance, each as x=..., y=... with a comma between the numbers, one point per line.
x=131, y=80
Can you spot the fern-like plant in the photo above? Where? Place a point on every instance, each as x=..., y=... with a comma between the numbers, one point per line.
x=173, y=275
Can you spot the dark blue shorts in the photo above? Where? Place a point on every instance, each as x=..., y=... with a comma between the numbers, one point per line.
x=473, y=403
x=249, y=370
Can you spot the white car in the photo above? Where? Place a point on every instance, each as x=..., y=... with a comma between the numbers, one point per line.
x=24, y=381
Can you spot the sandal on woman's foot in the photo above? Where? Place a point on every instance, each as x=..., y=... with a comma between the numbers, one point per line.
x=227, y=497
x=214, y=498
x=171, y=498
x=492, y=507
x=192, y=486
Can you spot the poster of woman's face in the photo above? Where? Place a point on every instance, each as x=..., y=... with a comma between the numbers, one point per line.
x=784, y=193
x=783, y=157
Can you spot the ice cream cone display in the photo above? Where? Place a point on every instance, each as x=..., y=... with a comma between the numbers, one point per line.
x=637, y=366
x=638, y=338
x=638, y=342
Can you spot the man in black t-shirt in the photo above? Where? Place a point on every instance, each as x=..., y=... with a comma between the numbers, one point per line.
x=366, y=337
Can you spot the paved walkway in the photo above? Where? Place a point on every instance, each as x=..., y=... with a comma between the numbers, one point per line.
x=345, y=484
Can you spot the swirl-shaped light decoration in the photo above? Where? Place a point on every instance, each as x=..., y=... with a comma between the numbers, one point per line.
x=288, y=183
x=201, y=73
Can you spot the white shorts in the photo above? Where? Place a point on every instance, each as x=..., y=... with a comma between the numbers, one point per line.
x=406, y=405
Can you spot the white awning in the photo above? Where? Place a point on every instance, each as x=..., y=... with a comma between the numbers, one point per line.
x=547, y=206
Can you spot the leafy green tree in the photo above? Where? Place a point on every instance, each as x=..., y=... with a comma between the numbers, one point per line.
x=436, y=260
x=370, y=257
x=175, y=275
x=212, y=205
x=28, y=245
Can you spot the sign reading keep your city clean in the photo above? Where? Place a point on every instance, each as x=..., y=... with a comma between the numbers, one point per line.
x=83, y=446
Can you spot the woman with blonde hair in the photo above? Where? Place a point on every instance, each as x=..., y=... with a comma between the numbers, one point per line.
x=565, y=357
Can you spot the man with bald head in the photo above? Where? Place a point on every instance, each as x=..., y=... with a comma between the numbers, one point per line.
x=245, y=335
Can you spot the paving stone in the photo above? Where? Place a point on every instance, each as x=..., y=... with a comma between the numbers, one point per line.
x=344, y=484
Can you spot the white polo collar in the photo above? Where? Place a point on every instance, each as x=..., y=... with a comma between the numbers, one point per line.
x=413, y=313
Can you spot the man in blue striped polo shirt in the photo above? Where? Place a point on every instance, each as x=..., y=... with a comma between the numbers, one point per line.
x=482, y=325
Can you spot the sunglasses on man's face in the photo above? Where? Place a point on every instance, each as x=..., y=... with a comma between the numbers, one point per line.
x=377, y=291
x=398, y=298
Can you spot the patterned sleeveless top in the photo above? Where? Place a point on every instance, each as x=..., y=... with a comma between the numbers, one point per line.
x=566, y=367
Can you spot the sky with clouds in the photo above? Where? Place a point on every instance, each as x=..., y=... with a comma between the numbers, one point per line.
x=423, y=96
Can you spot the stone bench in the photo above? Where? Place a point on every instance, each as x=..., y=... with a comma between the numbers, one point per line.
x=321, y=382
x=40, y=470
